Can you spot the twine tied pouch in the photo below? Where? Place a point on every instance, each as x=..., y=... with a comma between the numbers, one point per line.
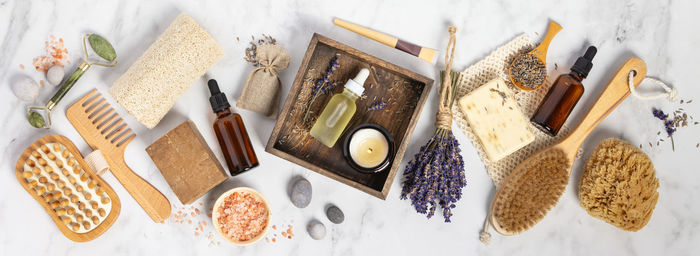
x=263, y=87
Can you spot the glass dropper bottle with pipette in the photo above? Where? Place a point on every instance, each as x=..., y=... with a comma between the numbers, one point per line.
x=231, y=133
x=339, y=110
x=562, y=97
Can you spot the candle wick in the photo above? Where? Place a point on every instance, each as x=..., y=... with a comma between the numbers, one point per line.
x=369, y=150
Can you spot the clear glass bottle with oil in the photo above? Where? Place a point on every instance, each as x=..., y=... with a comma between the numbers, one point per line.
x=337, y=113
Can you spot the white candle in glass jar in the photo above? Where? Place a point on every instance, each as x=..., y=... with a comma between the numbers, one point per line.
x=368, y=148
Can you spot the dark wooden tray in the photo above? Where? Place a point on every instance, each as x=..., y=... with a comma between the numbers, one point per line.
x=403, y=91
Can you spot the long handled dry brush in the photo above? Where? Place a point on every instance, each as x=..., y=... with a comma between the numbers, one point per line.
x=435, y=176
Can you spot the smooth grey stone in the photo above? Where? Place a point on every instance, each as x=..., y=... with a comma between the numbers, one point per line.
x=301, y=193
x=25, y=88
x=335, y=215
x=316, y=229
x=55, y=75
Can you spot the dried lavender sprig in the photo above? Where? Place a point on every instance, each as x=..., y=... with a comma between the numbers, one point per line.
x=379, y=105
x=251, y=53
x=323, y=85
x=669, y=124
x=659, y=114
x=326, y=78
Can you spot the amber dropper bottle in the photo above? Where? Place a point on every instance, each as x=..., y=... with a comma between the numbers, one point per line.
x=231, y=133
x=561, y=99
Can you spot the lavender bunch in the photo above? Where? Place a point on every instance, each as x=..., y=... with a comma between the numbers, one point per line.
x=436, y=176
x=323, y=85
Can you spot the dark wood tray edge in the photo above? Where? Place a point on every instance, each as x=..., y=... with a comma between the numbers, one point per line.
x=297, y=83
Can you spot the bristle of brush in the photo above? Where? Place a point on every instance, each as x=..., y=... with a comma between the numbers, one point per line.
x=428, y=55
x=526, y=197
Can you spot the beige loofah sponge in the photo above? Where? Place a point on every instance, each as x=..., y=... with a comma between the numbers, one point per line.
x=150, y=87
x=619, y=185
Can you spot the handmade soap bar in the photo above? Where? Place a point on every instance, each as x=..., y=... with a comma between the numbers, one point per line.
x=187, y=163
x=495, y=118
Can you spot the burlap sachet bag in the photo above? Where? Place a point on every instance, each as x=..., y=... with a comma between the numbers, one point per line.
x=495, y=65
x=263, y=87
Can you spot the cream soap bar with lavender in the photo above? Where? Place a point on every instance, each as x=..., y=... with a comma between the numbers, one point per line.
x=496, y=119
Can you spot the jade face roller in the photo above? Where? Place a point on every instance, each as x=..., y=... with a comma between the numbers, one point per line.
x=102, y=48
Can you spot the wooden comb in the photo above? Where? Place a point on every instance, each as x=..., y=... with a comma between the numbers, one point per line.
x=103, y=129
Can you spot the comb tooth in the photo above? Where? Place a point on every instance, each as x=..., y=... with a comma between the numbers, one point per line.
x=107, y=121
x=103, y=115
x=120, y=135
x=92, y=106
x=116, y=130
x=127, y=140
x=89, y=100
x=111, y=126
x=98, y=110
x=88, y=97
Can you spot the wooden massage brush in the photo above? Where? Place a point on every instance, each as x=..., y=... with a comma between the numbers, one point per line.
x=102, y=129
x=53, y=171
x=537, y=183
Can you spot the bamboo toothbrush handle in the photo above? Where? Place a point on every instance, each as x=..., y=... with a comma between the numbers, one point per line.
x=371, y=34
x=148, y=197
x=541, y=50
x=615, y=92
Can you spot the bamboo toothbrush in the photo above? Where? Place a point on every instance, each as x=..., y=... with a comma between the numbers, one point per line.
x=426, y=54
x=536, y=184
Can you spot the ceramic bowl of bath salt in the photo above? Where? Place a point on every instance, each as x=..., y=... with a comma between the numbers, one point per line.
x=241, y=216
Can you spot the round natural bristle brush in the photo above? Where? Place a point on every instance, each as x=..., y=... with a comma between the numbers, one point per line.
x=537, y=183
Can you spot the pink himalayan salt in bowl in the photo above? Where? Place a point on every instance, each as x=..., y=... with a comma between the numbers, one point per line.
x=241, y=216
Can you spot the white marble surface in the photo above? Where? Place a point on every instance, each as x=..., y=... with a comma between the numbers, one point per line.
x=663, y=33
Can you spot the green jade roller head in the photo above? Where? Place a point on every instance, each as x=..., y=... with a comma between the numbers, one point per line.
x=40, y=117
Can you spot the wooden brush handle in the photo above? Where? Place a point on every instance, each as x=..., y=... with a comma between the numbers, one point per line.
x=616, y=91
x=541, y=50
x=149, y=198
x=371, y=34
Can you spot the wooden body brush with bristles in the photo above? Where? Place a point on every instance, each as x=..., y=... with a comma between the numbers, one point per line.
x=537, y=183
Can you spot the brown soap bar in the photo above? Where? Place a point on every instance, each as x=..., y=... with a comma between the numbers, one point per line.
x=187, y=163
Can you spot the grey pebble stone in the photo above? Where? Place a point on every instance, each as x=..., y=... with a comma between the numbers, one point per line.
x=301, y=193
x=25, y=88
x=335, y=215
x=55, y=74
x=316, y=229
